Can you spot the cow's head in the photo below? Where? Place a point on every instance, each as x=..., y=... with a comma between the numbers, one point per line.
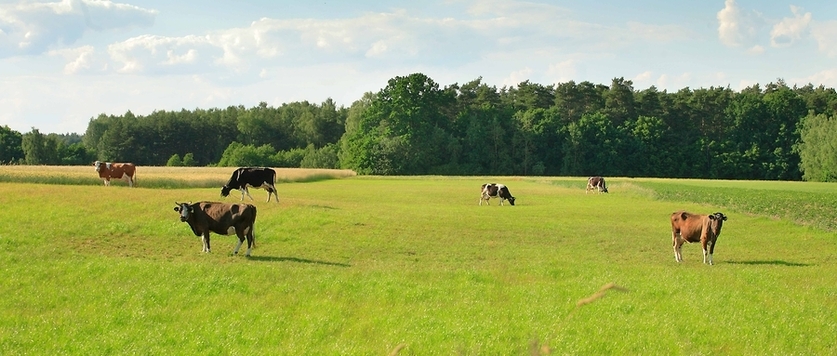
x=604, y=189
x=98, y=165
x=511, y=201
x=225, y=190
x=185, y=209
x=717, y=221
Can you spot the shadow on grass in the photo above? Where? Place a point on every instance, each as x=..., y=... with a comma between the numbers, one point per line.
x=297, y=260
x=773, y=262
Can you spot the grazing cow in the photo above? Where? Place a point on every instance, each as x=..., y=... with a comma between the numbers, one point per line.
x=107, y=170
x=493, y=190
x=597, y=183
x=253, y=177
x=223, y=219
x=688, y=227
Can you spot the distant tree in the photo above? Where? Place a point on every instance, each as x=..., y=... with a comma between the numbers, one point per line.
x=818, y=148
x=189, y=160
x=174, y=161
x=239, y=155
x=11, y=149
x=325, y=157
x=39, y=148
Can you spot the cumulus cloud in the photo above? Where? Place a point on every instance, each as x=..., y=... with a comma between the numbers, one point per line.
x=790, y=29
x=37, y=27
x=372, y=39
x=563, y=71
x=825, y=33
x=79, y=60
x=735, y=27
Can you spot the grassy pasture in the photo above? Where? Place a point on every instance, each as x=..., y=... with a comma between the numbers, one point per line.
x=368, y=265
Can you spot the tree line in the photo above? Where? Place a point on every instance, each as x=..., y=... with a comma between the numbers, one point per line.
x=415, y=126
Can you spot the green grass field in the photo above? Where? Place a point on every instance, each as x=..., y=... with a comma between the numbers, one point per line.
x=413, y=266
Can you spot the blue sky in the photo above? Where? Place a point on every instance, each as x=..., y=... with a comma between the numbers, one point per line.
x=65, y=62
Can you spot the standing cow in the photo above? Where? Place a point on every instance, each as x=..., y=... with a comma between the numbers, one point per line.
x=254, y=177
x=688, y=227
x=223, y=219
x=493, y=190
x=596, y=183
x=108, y=170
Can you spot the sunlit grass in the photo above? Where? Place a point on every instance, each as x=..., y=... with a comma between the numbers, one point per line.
x=368, y=265
x=156, y=177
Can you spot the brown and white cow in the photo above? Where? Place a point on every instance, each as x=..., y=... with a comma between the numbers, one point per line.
x=597, y=183
x=108, y=170
x=493, y=190
x=688, y=227
x=223, y=219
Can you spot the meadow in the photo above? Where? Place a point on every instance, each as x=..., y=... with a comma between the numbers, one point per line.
x=360, y=265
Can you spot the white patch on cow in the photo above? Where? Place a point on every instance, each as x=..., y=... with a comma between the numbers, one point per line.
x=237, y=246
x=231, y=230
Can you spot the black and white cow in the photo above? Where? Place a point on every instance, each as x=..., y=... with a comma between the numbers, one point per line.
x=493, y=190
x=223, y=219
x=251, y=177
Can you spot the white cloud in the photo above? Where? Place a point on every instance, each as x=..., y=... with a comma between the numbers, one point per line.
x=825, y=33
x=757, y=49
x=827, y=78
x=643, y=77
x=790, y=29
x=562, y=71
x=80, y=59
x=673, y=83
x=35, y=27
x=736, y=28
x=518, y=76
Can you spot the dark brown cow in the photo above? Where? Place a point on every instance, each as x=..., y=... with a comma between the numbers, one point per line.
x=597, y=183
x=107, y=170
x=493, y=190
x=223, y=219
x=688, y=227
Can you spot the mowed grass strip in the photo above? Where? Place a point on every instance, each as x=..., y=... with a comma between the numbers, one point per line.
x=367, y=265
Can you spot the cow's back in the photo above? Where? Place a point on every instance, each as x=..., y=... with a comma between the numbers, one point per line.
x=689, y=226
x=220, y=216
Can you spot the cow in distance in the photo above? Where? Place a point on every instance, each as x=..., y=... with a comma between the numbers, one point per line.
x=221, y=218
x=688, y=227
x=493, y=190
x=256, y=177
x=108, y=171
x=596, y=183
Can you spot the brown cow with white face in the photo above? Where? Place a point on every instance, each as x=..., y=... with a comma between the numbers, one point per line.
x=688, y=227
x=596, y=183
x=108, y=170
x=223, y=219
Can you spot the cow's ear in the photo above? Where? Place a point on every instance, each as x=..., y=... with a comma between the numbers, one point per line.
x=177, y=209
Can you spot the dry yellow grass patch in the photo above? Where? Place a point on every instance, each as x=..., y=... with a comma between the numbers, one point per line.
x=152, y=173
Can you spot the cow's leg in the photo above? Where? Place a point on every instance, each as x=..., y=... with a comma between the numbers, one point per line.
x=271, y=190
x=711, y=245
x=712, y=250
x=206, y=242
x=238, y=245
x=128, y=179
x=244, y=190
x=107, y=182
x=678, y=246
x=251, y=239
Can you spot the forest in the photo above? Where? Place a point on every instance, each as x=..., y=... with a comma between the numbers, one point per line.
x=414, y=126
